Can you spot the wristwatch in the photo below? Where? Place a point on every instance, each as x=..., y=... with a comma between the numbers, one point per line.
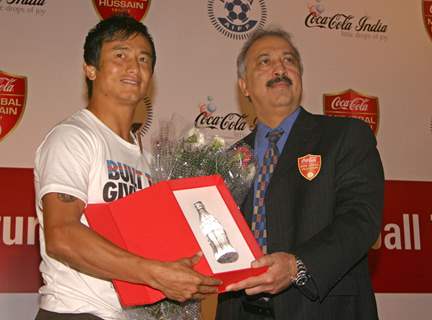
x=302, y=275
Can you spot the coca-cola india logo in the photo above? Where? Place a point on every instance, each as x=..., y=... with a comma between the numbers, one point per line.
x=26, y=2
x=344, y=22
x=35, y=7
x=230, y=121
x=207, y=118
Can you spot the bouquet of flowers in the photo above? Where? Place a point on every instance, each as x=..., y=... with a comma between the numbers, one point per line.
x=190, y=156
x=196, y=155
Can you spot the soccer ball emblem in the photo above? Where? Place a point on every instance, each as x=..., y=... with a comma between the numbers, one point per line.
x=237, y=11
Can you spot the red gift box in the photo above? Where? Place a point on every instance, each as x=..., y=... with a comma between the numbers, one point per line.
x=151, y=223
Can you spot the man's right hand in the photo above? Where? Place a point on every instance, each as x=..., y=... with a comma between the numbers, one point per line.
x=178, y=281
x=69, y=241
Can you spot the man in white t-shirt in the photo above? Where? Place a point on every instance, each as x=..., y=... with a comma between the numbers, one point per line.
x=92, y=157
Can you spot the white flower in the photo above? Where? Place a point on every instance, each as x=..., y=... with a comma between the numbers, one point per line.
x=251, y=172
x=218, y=143
x=192, y=132
x=200, y=140
x=195, y=138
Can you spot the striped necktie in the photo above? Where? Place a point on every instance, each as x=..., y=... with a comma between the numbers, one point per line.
x=270, y=160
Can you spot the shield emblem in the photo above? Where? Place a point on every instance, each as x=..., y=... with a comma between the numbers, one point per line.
x=427, y=16
x=309, y=166
x=135, y=8
x=353, y=104
x=13, y=95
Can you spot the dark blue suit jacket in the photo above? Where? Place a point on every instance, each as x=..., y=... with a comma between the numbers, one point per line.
x=330, y=222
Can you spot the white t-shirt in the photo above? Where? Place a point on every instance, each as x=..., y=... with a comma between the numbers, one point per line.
x=82, y=157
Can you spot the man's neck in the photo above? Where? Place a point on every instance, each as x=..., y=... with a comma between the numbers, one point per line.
x=118, y=118
x=275, y=117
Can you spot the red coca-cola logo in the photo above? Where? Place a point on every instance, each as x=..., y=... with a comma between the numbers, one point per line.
x=354, y=105
x=135, y=8
x=13, y=92
x=427, y=16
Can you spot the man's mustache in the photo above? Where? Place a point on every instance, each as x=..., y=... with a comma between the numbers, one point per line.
x=281, y=78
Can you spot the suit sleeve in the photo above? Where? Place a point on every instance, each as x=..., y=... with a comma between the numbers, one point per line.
x=358, y=204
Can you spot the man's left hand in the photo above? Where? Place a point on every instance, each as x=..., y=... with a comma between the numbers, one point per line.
x=281, y=271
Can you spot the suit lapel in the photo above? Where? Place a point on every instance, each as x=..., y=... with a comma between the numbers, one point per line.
x=302, y=140
x=248, y=202
x=284, y=193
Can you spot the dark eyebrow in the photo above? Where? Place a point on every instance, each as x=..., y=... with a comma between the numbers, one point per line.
x=125, y=48
x=120, y=47
x=146, y=53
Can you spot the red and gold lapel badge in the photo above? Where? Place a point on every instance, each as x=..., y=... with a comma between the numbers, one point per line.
x=309, y=166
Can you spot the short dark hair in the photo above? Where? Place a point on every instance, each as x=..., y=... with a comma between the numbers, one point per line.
x=117, y=27
x=259, y=34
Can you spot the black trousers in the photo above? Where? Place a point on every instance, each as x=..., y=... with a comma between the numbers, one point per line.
x=238, y=306
x=48, y=315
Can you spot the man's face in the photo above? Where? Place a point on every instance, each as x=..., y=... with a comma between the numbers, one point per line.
x=124, y=72
x=272, y=79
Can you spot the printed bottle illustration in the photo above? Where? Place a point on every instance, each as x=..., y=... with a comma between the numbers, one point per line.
x=223, y=251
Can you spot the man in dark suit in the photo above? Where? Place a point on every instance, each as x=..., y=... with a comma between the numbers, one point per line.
x=323, y=203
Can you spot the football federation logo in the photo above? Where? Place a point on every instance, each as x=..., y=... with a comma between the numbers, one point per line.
x=13, y=94
x=135, y=8
x=309, y=166
x=431, y=125
x=143, y=117
x=427, y=16
x=236, y=19
x=354, y=105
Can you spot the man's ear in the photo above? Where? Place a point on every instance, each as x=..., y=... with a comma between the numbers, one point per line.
x=243, y=87
x=90, y=71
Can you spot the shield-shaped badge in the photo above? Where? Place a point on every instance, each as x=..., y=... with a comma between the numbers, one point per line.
x=309, y=166
x=135, y=8
x=427, y=16
x=13, y=94
x=353, y=104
